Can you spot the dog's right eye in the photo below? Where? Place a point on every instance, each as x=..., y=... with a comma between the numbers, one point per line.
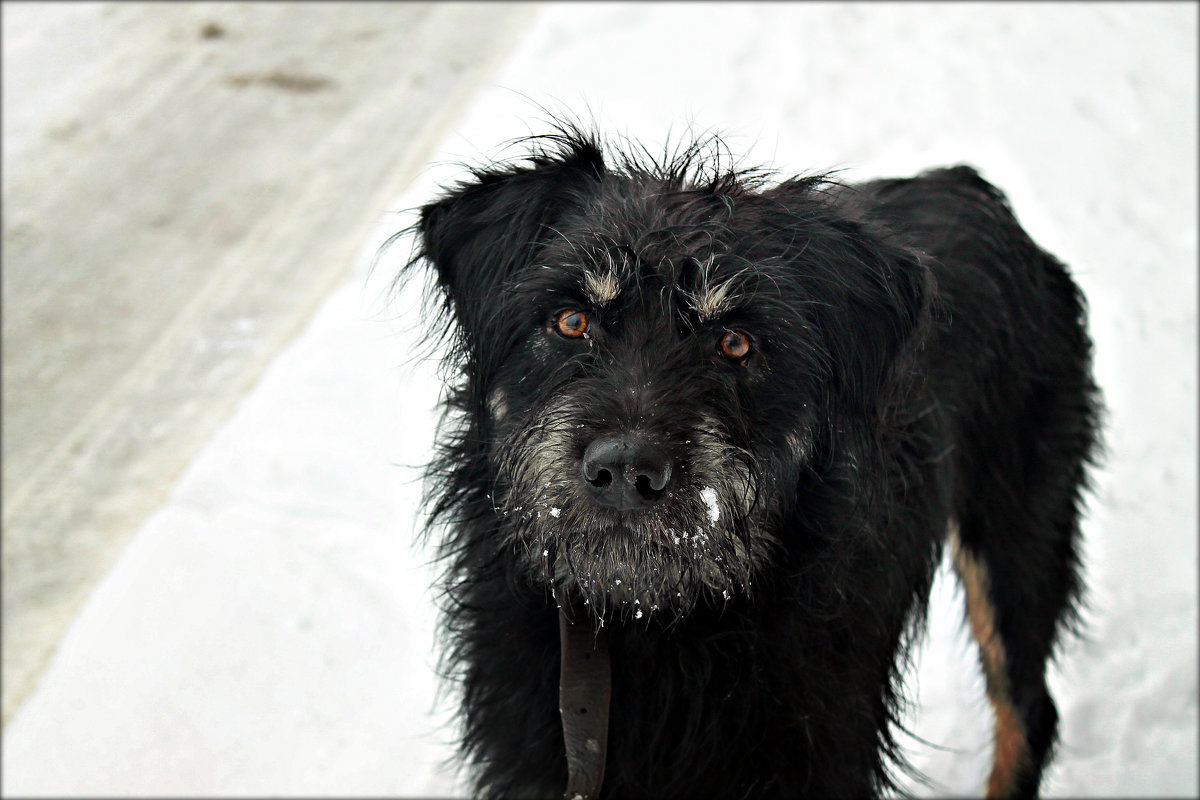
x=571, y=323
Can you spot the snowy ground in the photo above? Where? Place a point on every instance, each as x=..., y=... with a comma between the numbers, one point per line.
x=269, y=632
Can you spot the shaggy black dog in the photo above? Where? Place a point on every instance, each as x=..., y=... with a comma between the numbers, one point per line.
x=723, y=425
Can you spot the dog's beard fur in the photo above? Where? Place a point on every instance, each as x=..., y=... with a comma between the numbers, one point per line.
x=701, y=543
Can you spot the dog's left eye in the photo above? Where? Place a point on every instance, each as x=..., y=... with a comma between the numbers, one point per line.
x=571, y=323
x=735, y=345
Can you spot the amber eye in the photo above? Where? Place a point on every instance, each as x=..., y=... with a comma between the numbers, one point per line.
x=572, y=324
x=735, y=345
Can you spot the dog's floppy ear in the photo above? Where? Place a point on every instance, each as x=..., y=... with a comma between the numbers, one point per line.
x=886, y=312
x=484, y=229
x=871, y=295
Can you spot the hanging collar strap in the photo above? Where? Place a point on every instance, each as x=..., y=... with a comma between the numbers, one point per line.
x=584, y=691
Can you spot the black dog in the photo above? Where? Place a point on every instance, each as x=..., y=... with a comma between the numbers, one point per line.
x=723, y=426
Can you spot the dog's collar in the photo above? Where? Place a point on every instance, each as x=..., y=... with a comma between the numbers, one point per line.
x=584, y=691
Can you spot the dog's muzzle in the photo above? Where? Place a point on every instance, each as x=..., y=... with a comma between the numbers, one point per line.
x=626, y=471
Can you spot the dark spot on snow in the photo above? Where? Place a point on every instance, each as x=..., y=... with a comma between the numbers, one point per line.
x=280, y=79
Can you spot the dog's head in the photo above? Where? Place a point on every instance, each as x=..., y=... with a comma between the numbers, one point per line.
x=652, y=356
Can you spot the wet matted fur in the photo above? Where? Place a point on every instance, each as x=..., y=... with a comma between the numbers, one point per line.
x=736, y=419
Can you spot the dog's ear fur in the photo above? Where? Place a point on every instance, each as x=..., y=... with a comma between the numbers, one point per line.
x=872, y=294
x=884, y=315
x=486, y=228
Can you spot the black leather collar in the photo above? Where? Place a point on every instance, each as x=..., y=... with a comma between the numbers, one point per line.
x=584, y=692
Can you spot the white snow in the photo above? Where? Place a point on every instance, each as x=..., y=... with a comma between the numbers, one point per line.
x=709, y=496
x=268, y=631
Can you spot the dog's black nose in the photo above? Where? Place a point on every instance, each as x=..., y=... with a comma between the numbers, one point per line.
x=626, y=471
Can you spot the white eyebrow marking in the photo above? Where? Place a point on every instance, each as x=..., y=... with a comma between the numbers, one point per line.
x=713, y=301
x=710, y=301
x=603, y=287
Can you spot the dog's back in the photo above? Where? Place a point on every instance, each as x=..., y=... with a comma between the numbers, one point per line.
x=1010, y=359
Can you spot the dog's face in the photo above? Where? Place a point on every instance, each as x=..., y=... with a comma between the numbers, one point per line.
x=651, y=362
